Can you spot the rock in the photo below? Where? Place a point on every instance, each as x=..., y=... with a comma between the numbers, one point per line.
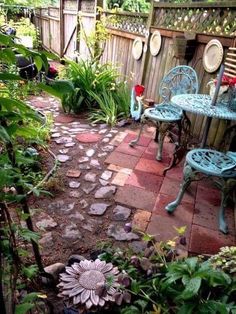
x=108, y=148
x=114, y=131
x=71, y=173
x=119, y=234
x=105, y=140
x=68, y=207
x=75, y=194
x=84, y=167
x=75, y=258
x=74, y=184
x=121, y=213
x=63, y=151
x=46, y=241
x=63, y=140
x=46, y=223
x=106, y=175
x=78, y=216
x=56, y=205
x=70, y=144
x=55, y=135
x=102, y=155
x=72, y=232
x=89, y=188
x=90, y=177
x=103, y=182
x=63, y=158
x=103, y=131
x=98, y=209
x=83, y=204
x=109, y=135
x=138, y=246
x=88, y=137
x=105, y=192
x=83, y=159
x=90, y=152
x=90, y=225
x=95, y=163
x=81, y=146
x=55, y=270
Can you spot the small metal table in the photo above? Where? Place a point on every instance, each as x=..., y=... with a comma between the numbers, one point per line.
x=201, y=104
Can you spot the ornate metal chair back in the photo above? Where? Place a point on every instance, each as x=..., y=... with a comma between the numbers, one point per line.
x=179, y=80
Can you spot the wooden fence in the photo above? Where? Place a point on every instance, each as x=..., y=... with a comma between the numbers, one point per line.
x=206, y=20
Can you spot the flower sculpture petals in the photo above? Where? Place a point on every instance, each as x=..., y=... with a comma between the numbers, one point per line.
x=89, y=283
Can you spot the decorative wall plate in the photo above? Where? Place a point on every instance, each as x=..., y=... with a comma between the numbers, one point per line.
x=137, y=48
x=155, y=43
x=213, y=55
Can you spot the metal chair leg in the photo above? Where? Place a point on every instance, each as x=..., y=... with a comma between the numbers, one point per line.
x=188, y=178
x=135, y=141
x=163, y=129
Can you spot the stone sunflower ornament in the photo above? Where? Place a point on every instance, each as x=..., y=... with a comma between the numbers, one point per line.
x=89, y=283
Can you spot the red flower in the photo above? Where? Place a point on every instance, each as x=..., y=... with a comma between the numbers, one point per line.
x=139, y=89
x=226, y=80
x=52, y=70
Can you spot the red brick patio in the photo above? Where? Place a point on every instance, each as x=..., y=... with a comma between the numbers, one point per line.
x=146, y=189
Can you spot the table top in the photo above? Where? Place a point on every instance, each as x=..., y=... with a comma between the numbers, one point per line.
x=201, y=104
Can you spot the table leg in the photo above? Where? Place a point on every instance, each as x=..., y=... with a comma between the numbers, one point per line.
x=205, y=132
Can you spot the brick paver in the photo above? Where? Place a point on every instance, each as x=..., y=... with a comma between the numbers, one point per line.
x=141, y=220
x=122, y=160
x=143, y=141
x=145, y=181
x=134, y=151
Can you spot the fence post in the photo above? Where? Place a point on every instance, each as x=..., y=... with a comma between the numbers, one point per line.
x=62, y=33
x=146, y=45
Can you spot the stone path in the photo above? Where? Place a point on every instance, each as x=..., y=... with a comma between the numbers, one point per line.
x=105, y=186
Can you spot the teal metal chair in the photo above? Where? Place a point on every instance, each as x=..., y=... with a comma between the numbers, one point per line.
x=204, y=162
x=180, y=80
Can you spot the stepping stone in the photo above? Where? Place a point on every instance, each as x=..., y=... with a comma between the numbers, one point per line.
x=90, y=177
x=63, y=151
x=81, y=146
x=88, y=138
x=69, y=207
x=63, y=158
x=78, y=216
x=118, y=233
x=63, y=140
x=90, y=152
x=71, y=144
x=98, y=209
x=47, y=240
x=74, y=184
x=46, y=223
x=102, y=131
x=108, y=148
x=121, y=213
x=114, y=131
x=71, y=173
x=105, y=140
x=95, y=163
x=103, y=182
x=83, y=159
x=102, y=155
x=89, y=188
x=83, y=204
x=106, y=175
x=72, y=232
x=55, y=135
x=61, y=118
x=56, y=205
x=89, y=226
x=65, y=127
x=84, y=167
x=75, y=194
x=109, y=135
x=105, y=192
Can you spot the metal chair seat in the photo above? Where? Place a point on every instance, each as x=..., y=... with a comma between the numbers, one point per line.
x=164, y=113
x=212, y=163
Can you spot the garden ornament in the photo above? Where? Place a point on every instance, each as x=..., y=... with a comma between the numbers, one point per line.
x=136, y=105
x=202, y=163
x=89, y=283
x=179, y=80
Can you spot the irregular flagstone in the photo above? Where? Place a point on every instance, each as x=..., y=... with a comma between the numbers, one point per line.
x=121, y=213
x=105, y=140
x=83, y=159
x=102, y=155
x=95, y=163
x=119, y=233
x=103, y=131
x=78, y=216
x=98, y=209
x=72, y=173
x=106, y=175
x=64, y=151
x=90, y=177
x=63, y=158
x=89, y=188
x=71, y=144
x=63, y=140
x=62, y=118
x=84, y=167
x=89, y=226
x=108, y=148
x=72, y=232
x=56, y=205
x=88, y=137
x=90, y=152
x=103, y=182
x=68, y=207
x=46, y=223
x=55, y=135
x=83, y=204
x=102, y=126
x=74, y=184
x=75, y=194
x=81, y=146
x=109, y=135
x=47, y=240
x=105, y=192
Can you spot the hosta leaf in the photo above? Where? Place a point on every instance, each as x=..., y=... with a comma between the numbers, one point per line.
x=191, y=288
x=10, y=77
x=38, y=62
x=4, y=136
x=23, y=308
